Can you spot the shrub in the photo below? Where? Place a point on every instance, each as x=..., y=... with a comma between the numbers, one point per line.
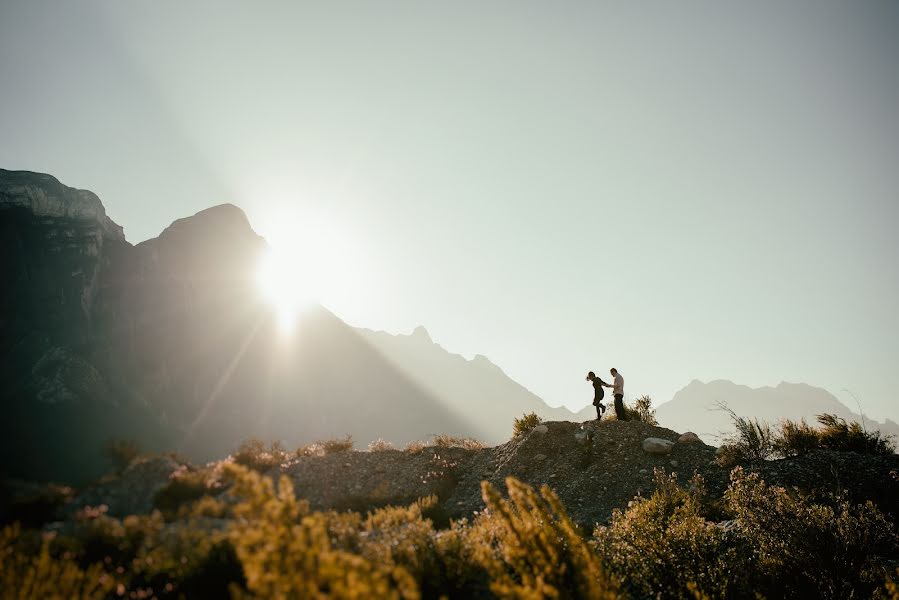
x=184, y=487
x=415, y=447
x=35, y=504
x=26, y=574
x=753, y=442
x=120, y=453
x=796, y=439
x=286, y=551
x=448, y=441
x=642, y=411
x=662, y=546
x=836, y=434
x=254, y=455
x=335, y=445
x=525, y=423
x=531, y=549
x=380, y=445
x=805, y=548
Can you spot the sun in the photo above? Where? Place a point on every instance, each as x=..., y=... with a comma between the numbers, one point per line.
x=288, y=281
x=308, y=262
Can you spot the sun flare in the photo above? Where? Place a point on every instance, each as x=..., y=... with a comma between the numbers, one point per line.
x=306, y=265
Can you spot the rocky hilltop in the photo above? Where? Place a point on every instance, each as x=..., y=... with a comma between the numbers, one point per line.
x=594, y=468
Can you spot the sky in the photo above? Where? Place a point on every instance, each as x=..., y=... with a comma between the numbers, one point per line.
x=682, y=190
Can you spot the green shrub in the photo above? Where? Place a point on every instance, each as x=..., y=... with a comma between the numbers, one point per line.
x=810, y=549
x=120, y=453
x=796, y=439
x=26, y=574
x=641, y=411
x=662, y=546
x=531, y=549
x=254, y=455
x=525, y=423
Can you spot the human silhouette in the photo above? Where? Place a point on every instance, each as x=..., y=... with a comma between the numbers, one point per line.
x=598, y=393
x=618, y=392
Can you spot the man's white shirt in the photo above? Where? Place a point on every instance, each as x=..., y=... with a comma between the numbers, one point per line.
x=618, y=387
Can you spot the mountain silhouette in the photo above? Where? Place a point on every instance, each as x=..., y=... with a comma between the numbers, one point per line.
x=697, y=407
x=167, y=342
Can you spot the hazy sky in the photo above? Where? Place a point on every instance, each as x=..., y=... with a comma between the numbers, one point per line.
x=678, y=189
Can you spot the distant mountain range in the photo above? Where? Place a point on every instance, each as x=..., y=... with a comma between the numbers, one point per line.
x=166, y=342
x=697, y=407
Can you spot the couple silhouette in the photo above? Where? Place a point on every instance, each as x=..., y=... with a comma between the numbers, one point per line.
x=617, y=386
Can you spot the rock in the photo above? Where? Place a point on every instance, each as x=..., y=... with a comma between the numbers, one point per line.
x=644, y=472
x=583, y=437
x=654, y=445
x=540, y=457
x=688, y=438
x=130, y=493
x=674, y=463
x=540, y=429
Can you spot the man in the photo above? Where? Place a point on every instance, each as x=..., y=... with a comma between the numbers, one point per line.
x=618, y=392
x=598, y=393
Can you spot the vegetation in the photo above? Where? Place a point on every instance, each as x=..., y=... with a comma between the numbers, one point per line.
x=525, y=423
x=380, y=445
x=774, y=543
x=449, y=441
x=754, y=442
x=641, y=411
x=254, y=455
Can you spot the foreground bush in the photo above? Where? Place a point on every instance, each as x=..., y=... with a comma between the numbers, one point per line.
x=525, y=423
x=531, y=549
x=286, y=551
x=806, y=548
x=41, y=575
x=662, y=546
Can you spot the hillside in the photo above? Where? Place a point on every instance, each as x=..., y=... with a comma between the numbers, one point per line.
x=697, y=407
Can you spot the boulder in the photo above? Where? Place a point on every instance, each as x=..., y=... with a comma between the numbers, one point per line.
x=654, y=445
x=688, y=438
x=130, y=493
x=541, y=429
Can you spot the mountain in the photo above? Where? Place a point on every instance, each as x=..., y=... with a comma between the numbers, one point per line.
x=474, y=387
x=697, y=407
x=168, y=343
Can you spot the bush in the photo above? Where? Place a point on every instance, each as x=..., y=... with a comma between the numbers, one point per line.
x=335, y=445
x=184, y=487
x=286, y=551
x=525, y=423
x=448, y=441
x=641, y=411
x=254, y=455
x=753, y=442
x=415, y=447
x=380, y=445
x=32, y=505
x=836, y=434
x=806, y=548
x=662, y=546
x=531, y=549
x=25, y=574
x=120, y=453
x=796, y=439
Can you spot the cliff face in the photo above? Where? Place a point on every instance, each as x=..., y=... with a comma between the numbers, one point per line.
x=167, y=343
